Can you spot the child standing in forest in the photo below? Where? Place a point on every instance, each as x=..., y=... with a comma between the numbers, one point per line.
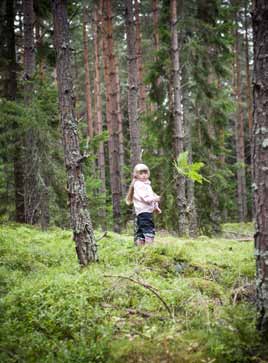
x=145, y=202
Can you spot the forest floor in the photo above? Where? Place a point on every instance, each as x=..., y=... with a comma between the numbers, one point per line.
x=179, y=300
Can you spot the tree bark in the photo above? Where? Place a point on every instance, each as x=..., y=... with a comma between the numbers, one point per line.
x=240, y=139
x=141, y=87
x=260, y=157
x=87, y=78
x=98, y=115
x=32, y=160
x=132, y=87
x=121, y=136
x=114, y=126
x=10, y=93
x=249, y=91
x=83, y=235
x=178, y=127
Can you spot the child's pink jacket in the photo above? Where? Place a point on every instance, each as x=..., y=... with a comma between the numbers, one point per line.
x=144, y=199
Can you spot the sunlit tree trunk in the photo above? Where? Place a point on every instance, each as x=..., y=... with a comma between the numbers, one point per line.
x=83, y=235
x=98, y=114
x=114, y=126
x=132, y=86
x=260, y=157
x=178, y=128
x=240, y=138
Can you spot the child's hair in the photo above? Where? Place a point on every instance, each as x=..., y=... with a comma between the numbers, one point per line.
x=138, y=168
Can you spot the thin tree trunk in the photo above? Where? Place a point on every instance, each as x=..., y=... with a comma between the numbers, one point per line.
x=98, y=116
x=114, y=126
x=10, y=93
x=83, y=235
x=32, y=159
x=240, y=141
x=142, y=92
x=44, y=177
x=135, y=146
x=87, y=78
x=155, y=24
x=249, y=92
x=178, y=130
x=260, y=157
x=156, y=41
x=121, y=136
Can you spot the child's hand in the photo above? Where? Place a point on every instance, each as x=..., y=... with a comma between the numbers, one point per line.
x=158, y=210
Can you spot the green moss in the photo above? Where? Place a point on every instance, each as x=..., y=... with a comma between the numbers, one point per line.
x=166, y=302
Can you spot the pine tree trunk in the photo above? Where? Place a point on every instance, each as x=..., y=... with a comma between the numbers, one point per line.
x=121, y=136
x=32, y=160
x=141, y=87
x=240, y=141
x=155, y=24
x=44, y=177
x=178, y=129
x=10, y=93
x=249, y=93
x=132, y=87
x=83, y=235
x=260, y=157
x=114, y=126
x=98, y=116
x=87, y=79
x=191, y=209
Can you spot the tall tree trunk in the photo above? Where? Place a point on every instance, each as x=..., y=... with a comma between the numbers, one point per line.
x=249, y=91
x=44, y=177
x=87, y=78
x=156, y=41
x=260, y=157
x=10, y=92
x=32, y=159
x=132, y=87
x=120, y=131
x=98, y=115
x=178, y=129
x=141, y=87
x=155, y=24
x=114, y=126
x=83, y=235
x=240, y=140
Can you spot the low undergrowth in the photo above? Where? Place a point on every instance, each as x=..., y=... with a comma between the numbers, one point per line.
x=179, y=300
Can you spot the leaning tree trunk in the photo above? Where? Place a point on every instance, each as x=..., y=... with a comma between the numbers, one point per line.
x=132, y=86
x=260, y=157
x=178, y=128
x=83, y=235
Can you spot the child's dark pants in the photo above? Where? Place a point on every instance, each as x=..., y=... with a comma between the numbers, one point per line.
x=145, y=230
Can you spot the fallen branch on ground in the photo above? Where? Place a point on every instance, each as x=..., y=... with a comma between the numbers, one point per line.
x=146, y=286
